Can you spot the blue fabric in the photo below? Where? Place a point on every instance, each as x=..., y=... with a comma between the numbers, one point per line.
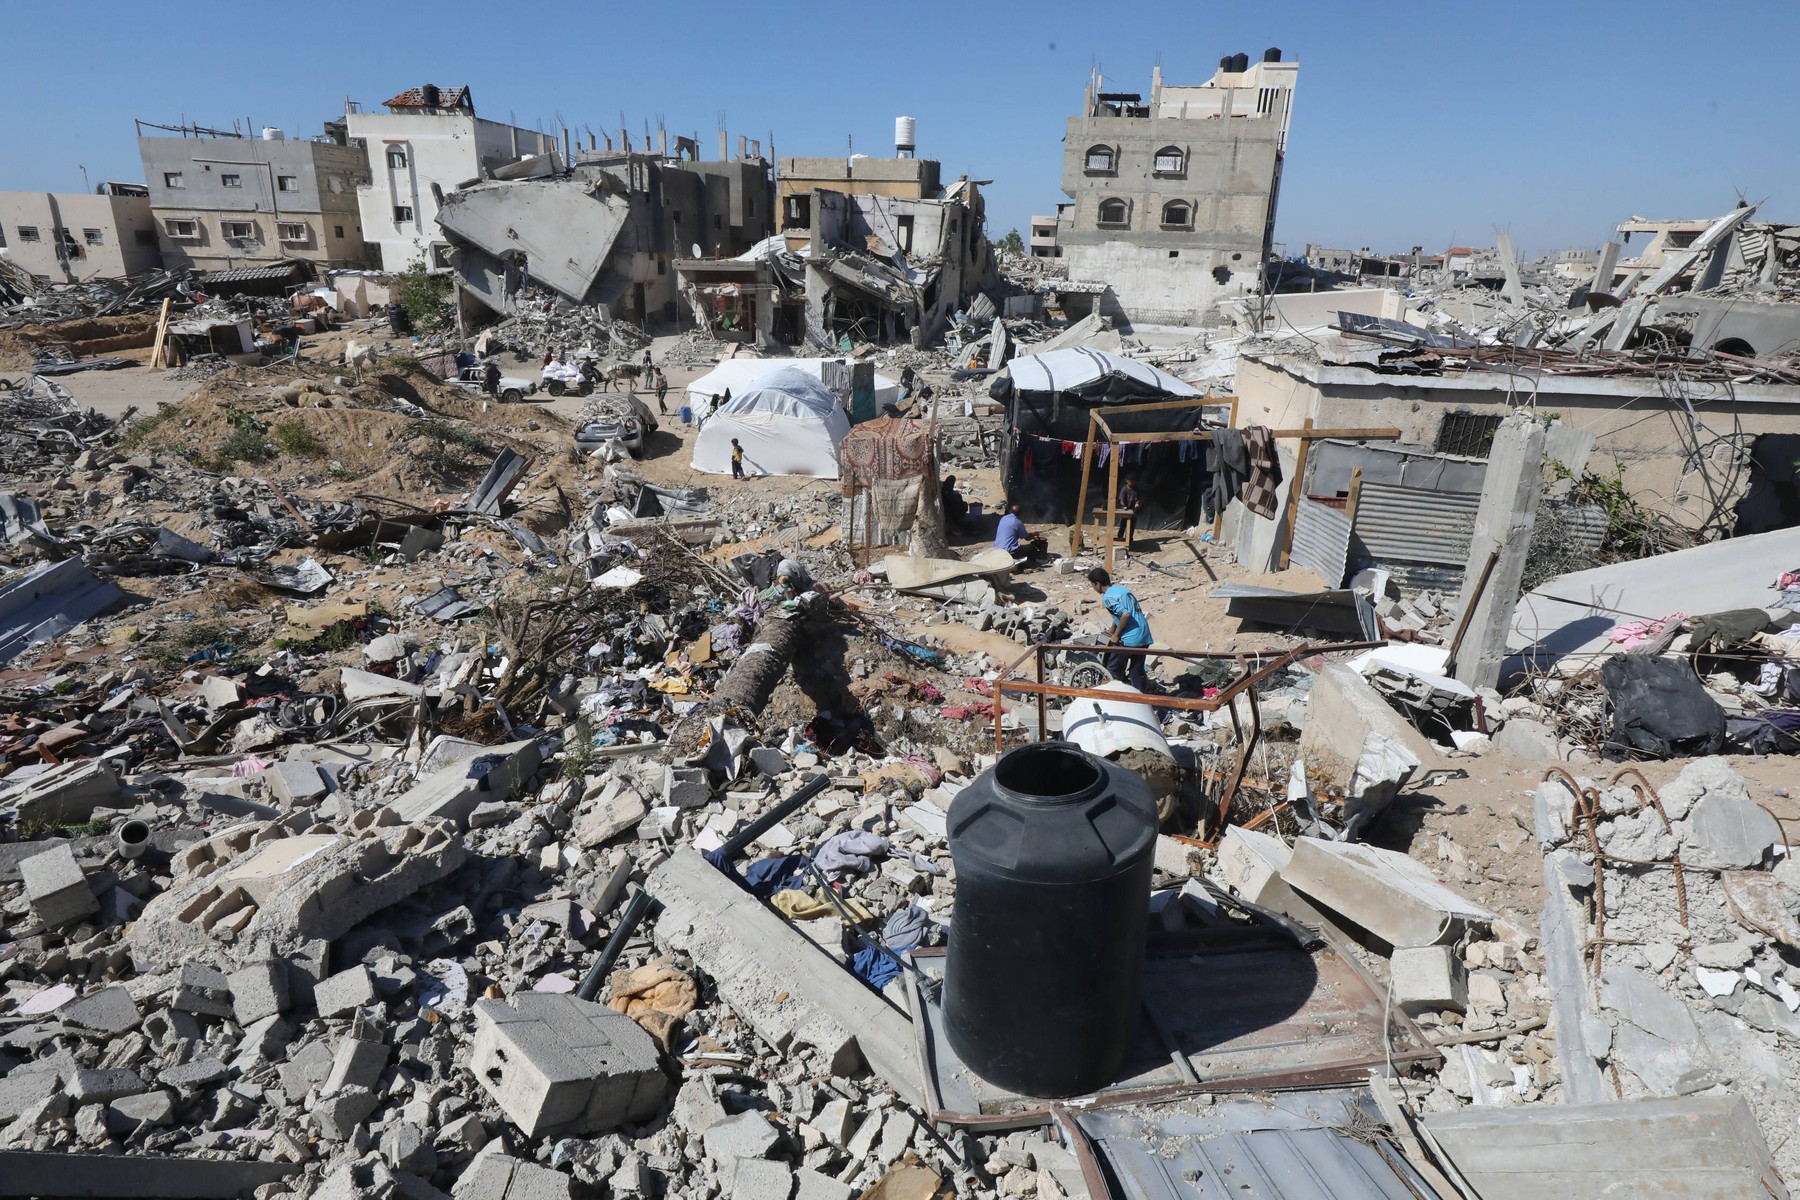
x=1009, y=531
x=1121, y=603
x=766, y=876
x=874, y=968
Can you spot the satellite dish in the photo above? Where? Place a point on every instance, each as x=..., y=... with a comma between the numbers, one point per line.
x=697, y=253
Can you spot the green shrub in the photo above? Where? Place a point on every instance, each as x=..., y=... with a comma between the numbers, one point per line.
x=296, y=439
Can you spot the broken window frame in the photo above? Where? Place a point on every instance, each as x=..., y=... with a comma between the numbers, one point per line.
x=230, y=179
x=1100, y=160
x=287, y=183
x=29, y=233
x=284, y=230
x=403, y=214
x=174, y=179
x=247, y=231
x=1185, y=218
x=1115, y=205
x=396, y=158
x=1170, y=163
x=94, y=237
x=796, y=212
x=172, y=227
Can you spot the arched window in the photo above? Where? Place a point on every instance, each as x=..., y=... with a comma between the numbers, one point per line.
x=1100, y=160
x=1171, y=160
x=396, y=158
x=1114, y=212
x=1178, y=214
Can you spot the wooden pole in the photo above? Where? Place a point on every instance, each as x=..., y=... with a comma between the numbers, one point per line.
x=1087, y=460
x=1296, y=489
x=1462, y=625
x=1355, y=495
x=1112, y=499
x=158, y=355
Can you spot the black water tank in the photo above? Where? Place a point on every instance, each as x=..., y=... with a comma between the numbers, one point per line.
x=1272, y=54
x=1240, y=62
x=1052, y=849
x=1225, y=62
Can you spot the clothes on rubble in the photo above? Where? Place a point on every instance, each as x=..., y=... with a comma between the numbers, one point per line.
x=1245, y=467
x=1773, y=731
x=1715, y=631
x=856, y=851
x=908, y=927
x=874, y=967
x=1659, y=708
x=766, y=876
x=797, y=904
x=1638, y=635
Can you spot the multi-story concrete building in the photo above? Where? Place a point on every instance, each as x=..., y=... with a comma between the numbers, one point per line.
x=223, y=201
x=430, y=142
x=1174, y=198
x=66, y=237
x=1043, y=238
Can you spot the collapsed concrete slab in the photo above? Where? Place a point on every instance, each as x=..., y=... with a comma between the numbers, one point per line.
x=558, y=1064
x=777, y=979
x=1390, y=895
x=1697, y=1147
x=26, y=1173
x=1345, y=717
x=66, y=794
x=259, y=890
x=454, y=792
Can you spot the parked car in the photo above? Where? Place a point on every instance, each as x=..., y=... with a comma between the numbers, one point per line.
x=621, y=418
x=512, y=388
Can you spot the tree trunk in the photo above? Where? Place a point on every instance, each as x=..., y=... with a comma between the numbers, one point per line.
x=928, y=539
x=747, y=686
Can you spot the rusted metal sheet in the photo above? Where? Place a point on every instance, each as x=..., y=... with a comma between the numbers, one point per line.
x=1228, y=1008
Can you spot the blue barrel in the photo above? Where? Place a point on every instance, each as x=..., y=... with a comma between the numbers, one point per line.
x=1052, y=848
x=687, y=415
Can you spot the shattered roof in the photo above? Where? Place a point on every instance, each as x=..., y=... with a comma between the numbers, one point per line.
x=451, y=97
x=253, y=274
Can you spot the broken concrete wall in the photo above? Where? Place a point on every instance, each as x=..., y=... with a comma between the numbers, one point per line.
x=565, y=230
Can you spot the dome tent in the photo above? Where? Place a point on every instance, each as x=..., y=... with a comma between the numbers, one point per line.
x=787, y=422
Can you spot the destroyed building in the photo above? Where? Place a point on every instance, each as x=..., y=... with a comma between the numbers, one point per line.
x=224, y=200
x=427, y=143
x=604, y=234
x=1174, y=198
x=889, y=253
x=66, y=237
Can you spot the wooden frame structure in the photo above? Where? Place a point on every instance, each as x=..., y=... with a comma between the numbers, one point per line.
x=1254, y=668
x=1097, y=424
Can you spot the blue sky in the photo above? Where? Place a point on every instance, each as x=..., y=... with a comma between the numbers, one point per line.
x=1427, y=123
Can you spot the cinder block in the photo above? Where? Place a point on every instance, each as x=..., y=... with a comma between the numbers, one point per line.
x=686, y=787
x=202, y=989
x=56, y=887
x=258, y=990
x=357, y=1063
x=338, y=1114
x=296, y=784
x=557, y=1064
x=1429, y=979
x=342, y=994
x=453, y=793
x=761, y=1179
x=816, y=1186
x=498, y=1177
x=103, y=1085
x=109, y=1010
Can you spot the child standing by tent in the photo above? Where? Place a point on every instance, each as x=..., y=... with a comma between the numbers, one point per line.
x=737, y=460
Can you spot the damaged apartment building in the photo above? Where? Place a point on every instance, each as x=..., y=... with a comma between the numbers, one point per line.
x=606, y=233
x=1173, y=199
x=889, y=252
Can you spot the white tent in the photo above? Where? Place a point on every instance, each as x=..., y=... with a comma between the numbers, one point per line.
x=1094, y=373
x=787, y=422
x=738, y=374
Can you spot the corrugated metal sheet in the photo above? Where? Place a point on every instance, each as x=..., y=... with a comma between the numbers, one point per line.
x=1409, y=525
x=1321, y=541
x=1299, y=1146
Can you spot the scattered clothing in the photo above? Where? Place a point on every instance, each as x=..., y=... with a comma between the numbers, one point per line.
x=1715, y=631
x=874, y=967
x=766, y=876
x=1258, y=489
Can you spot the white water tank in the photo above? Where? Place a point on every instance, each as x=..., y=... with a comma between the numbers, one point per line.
x=906, y=138
x=271, y=133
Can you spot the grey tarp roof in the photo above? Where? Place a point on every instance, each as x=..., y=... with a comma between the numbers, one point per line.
x=1094, y=372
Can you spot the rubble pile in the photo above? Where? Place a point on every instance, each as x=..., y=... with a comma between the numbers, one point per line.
x=548, y=324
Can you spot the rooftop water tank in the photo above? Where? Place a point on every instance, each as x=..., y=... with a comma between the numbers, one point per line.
x=1240, y=62
x=1272, y=54
x=1052, y=848
x=906, y=136
x=272, y=134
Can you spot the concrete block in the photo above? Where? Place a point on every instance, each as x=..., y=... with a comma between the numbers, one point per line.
x=65, y=795
x=199, y=1073
x=747, y=1135
x=21, y=1090
x=357, y=1062
x=109, y=1010
x=557, y=1064
x=203, y=990
x=608, y=818
x=499, y=1177
x=1724, y=830
x=812, y=1185
x=342, y=994
x=103, y=1085
x=56, y=887
x=1250, y=863
x=761, y=1179
x=340, y=1113
x=405, y=1148
x=306, y=1068
x=1533, y=741
x=1341, y=715
x=696, y=1108
x=296, y=784
x=1429, y=979
x=1390, y=895
x=835, y=1121
x=131, y=1112
x=258, y=990
x=452, y=793
x=769, y=761
x=686, y=787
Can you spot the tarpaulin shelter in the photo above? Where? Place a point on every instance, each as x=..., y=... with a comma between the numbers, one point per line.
x=738, y=374
x=882, y=466
x=787, y=422
x=1049, y=398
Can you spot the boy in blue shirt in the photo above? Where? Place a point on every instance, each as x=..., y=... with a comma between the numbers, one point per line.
x=1130, y=628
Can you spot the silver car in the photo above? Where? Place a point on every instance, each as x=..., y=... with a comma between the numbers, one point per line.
x=621, y=418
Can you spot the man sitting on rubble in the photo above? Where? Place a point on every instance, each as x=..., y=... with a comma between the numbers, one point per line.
x=1012, y=536
x=1130, y=628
